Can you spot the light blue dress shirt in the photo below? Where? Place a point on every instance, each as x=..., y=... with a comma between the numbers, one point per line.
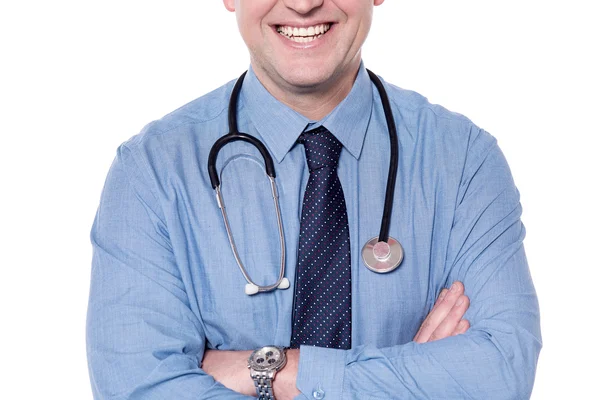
x=165, y=285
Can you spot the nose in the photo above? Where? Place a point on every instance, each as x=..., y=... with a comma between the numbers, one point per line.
x=303, y=6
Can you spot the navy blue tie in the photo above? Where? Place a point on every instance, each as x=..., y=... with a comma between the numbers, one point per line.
x=322, y=306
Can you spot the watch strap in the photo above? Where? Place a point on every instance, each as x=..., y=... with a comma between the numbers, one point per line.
x=263, y=382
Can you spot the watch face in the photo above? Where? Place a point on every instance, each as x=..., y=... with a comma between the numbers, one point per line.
x=267, y=358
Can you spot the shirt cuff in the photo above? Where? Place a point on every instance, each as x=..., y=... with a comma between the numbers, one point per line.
x=321, y=373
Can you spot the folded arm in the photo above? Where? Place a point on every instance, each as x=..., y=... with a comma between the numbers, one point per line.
x=229, y=367
x=143, y=340
x=496, y=358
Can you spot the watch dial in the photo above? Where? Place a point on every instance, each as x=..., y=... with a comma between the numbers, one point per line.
x=266, y=358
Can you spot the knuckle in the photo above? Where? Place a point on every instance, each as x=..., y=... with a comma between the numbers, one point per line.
x=456, y=314
x=448, y=301
x=462, y=301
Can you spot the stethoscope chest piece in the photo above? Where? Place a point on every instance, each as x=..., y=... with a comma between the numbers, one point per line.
x=382, y=257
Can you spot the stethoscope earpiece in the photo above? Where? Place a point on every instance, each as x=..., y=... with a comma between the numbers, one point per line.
x=285, y=283
x=251, y=289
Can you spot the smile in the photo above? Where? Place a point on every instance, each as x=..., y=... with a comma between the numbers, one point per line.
x=304, y=34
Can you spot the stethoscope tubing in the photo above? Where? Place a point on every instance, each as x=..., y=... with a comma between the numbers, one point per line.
x=380, y=264
x=235, y=135
x=384, y=231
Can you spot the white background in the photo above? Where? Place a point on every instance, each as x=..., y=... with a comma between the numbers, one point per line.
x=77, y=78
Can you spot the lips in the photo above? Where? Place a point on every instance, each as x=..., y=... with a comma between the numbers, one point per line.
x=303, y=34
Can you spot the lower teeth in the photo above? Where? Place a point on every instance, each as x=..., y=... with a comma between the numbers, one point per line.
x=301, y=39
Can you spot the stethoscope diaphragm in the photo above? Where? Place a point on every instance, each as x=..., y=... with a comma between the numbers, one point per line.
x=382, y=257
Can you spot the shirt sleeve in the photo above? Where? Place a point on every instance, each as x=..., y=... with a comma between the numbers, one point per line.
x=143, y=340
x=496, y=358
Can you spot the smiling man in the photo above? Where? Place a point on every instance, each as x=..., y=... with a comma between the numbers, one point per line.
x=308, y=71
x=172, y=316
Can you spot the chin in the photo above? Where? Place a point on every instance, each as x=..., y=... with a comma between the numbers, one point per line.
x=306, y=77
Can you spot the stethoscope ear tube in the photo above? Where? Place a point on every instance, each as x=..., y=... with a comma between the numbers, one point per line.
x=235, y=135
x=251, y=287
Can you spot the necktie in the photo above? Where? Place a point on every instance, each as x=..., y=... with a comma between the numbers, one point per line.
x=322, y=306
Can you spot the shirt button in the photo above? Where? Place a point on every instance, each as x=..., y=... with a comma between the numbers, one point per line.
x=319, y=394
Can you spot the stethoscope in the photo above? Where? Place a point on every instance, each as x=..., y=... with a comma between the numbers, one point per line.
x=381, y=254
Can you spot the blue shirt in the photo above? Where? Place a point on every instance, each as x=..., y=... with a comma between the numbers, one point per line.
x=165, y=285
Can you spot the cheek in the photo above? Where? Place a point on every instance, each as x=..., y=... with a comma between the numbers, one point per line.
x=355, y=7
x=249, y=15
x=359, y=14
x=363, y=18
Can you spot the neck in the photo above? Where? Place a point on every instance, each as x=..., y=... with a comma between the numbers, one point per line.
x=314, y=102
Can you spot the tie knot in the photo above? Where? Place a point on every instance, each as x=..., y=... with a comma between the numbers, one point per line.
x=321, y=147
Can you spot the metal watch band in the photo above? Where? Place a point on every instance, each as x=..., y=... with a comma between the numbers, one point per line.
x=264, y=364
x=263, y=381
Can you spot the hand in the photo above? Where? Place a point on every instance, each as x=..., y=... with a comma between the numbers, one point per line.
x=445, y=318
x=230, y=368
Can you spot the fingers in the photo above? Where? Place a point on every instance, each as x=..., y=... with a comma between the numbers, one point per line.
x=444, y=306
x=440, y=298
x=425, y=323
x=462, y=327
x=452, y=321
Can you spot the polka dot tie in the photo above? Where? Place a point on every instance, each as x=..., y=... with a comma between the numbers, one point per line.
x=322, y=306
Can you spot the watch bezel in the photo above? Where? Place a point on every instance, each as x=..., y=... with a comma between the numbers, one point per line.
x=276, y=366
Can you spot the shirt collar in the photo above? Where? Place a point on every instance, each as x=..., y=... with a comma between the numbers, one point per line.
x=279, y=126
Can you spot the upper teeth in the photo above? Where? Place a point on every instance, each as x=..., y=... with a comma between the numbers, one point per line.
x=291, y=31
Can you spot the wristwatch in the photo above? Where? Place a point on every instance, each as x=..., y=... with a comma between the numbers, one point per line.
x=264, y=364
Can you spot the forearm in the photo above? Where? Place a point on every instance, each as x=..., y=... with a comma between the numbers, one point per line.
x=461, y=367
x=231, y=370
x=230, y=367
x=366, y=371
x=495, y=359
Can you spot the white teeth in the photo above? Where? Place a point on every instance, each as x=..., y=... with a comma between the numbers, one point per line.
x=301, y=39
x=299, y=34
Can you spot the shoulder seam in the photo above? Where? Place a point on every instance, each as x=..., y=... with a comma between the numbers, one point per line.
x=160, y=132
x=426, y=105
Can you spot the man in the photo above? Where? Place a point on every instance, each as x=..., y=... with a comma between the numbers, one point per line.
x=168, y=317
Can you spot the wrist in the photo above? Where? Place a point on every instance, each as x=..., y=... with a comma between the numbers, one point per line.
x=264, y=364
x=248, y=387
x=284, y=385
